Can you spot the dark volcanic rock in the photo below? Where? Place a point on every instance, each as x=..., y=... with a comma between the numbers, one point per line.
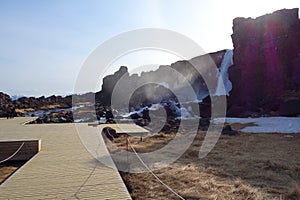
x=108, y=85
x=227, y=130
x=5, y=100
x=164, y=86
x=266, y=62
x=171, y=76
x=290, y=108
x=31, y=104
x=110, y=133
x=55, y=117
x=43, y=103
x=26, y=104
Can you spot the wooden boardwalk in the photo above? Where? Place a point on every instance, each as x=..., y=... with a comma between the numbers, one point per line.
x=63, y=169
x=131, y=129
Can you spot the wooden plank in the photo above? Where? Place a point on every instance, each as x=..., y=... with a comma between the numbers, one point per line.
x=125, y=128
x=63, y=169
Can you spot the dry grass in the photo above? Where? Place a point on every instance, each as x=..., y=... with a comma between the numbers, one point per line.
x=25, y=110
x=49, y=107
x=247, y=166
x=294, y=194
x=148, y=144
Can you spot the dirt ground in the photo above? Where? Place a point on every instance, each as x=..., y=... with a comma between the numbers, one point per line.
x=8, y=168
x=245, y=166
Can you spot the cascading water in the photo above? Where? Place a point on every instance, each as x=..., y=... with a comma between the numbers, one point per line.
x=224, y=84
x=223, y=80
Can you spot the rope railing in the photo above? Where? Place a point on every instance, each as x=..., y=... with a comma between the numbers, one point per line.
x=146, y=166
x=11, y=156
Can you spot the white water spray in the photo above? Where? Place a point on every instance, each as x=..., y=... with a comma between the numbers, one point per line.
x=224, y=76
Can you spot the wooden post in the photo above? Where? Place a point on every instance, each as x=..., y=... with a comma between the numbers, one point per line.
x=127, y=149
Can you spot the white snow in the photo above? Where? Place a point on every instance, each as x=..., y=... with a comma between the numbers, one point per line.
x=269, y=124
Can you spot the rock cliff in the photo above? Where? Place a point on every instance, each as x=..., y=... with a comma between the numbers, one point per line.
x=5, y=100
x=169, y=78
x=266, y=71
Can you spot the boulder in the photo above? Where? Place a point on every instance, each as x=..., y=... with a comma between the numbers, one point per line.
x=110, y=133
x=227, y=130
x=55, y=117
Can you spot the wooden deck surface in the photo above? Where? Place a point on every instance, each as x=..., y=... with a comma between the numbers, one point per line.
x=125, y=128
x=63, y=169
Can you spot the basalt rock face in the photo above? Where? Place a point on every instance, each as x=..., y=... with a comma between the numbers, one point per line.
x=5, y=100
x=103, y=97
x=266, y=71
x=159, y=85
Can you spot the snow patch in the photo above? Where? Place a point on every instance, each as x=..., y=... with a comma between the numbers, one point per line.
x=269, y=124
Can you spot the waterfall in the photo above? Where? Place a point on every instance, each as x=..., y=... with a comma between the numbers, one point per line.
x=224, y=84
x=223, y=80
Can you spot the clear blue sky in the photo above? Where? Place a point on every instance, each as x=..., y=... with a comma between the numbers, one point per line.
x=43, y=43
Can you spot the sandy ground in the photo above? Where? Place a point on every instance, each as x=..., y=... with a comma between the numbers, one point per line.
x=246, y=166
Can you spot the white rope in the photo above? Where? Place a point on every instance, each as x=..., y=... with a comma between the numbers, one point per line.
x=157, y=178
x=146, y=166
x=2, y=161
x=85, y=181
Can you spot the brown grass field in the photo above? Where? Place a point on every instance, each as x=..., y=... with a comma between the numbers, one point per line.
x=247, y=166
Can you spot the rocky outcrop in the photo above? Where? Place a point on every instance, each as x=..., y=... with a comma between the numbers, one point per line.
x=169, y=79
x=104, y=96
x=43, y=102
x=24, y=105
x=55, y=117
x=266, y=67
x=227, y=130
x=5, y=100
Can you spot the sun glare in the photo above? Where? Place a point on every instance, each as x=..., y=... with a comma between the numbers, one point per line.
x=257, y=8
